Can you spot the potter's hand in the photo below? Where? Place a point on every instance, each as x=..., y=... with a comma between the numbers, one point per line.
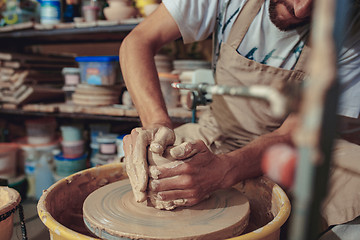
x=135, y=147
x=196, y=174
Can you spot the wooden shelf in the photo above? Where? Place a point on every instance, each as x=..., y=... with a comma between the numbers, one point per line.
x=97, y=33
x=16, y=38
x=113, y=113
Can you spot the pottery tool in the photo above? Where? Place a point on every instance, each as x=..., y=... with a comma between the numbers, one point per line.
x=111, y=212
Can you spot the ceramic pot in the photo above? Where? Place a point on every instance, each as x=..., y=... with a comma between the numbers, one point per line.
x=119, y=10
x=149, y=8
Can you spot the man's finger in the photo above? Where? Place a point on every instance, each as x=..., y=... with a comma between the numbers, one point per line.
x=167, y=170
x=163, y=137
x=139, y=159
x=172, y=183
x=127, y=144
x=187, y=149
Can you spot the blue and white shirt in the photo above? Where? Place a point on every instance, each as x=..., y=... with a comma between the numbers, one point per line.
x=264, y=42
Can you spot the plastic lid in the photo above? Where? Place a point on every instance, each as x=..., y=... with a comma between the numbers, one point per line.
x=60, y=157
x=70, y=70
x=97, y=59
x=121, y=136
x=104, y=157
x=107, y=138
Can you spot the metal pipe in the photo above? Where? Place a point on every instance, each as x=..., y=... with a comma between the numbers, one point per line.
x=276, y=100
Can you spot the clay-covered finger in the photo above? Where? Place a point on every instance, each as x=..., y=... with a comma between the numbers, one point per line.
x=168, y=205
x=136, y=164
x=190, y=196
x=180, y=198
x=187, y=149
x=127, y=142
x=163, y=137
x=177, y=194
x=132, y=173
x=140, y=159
x=171, y=183
x=168, y=170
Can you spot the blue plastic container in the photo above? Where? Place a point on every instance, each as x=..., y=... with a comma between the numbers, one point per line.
x=68, y=166
x=99, y=70
x=50, y=12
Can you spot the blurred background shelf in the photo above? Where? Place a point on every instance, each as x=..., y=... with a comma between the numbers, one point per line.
x=74, y=34
x=63, y=110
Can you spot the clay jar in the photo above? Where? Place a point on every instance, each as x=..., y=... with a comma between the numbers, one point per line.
x=119, y=10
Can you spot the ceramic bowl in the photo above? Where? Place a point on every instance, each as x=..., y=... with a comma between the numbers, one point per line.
x=114, y=14
x=149, y=8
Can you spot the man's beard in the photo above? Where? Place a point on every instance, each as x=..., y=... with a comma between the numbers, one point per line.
x=281, y=24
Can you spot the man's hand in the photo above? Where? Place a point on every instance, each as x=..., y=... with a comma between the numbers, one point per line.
x=135, y=147
x=192, y=178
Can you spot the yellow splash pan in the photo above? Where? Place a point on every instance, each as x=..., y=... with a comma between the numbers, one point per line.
x=60, y=206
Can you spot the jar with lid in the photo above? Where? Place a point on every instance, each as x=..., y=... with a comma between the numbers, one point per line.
x=50, y=12
x=107, y=144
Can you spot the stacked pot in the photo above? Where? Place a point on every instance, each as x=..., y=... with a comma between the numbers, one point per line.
x=73, y=157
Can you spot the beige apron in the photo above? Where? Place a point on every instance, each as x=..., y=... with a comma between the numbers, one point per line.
x=233, y=122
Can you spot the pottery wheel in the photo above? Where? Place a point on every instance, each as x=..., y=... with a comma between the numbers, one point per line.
x=111, y=212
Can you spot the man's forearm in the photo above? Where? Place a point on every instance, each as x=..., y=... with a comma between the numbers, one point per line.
x=140, y=76
x=246, y=162
x=138, y=66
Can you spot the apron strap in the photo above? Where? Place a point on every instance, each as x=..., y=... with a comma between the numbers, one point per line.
x=243, y=22
x=304, y=56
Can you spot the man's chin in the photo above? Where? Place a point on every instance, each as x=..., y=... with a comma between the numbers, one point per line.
x=282, y=22
x=283, y=26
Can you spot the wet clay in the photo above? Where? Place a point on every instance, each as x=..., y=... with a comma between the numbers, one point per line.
x=137, y=166
x=142, y=161
x=111, y=212
x=155, y=159
x=4, y=197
